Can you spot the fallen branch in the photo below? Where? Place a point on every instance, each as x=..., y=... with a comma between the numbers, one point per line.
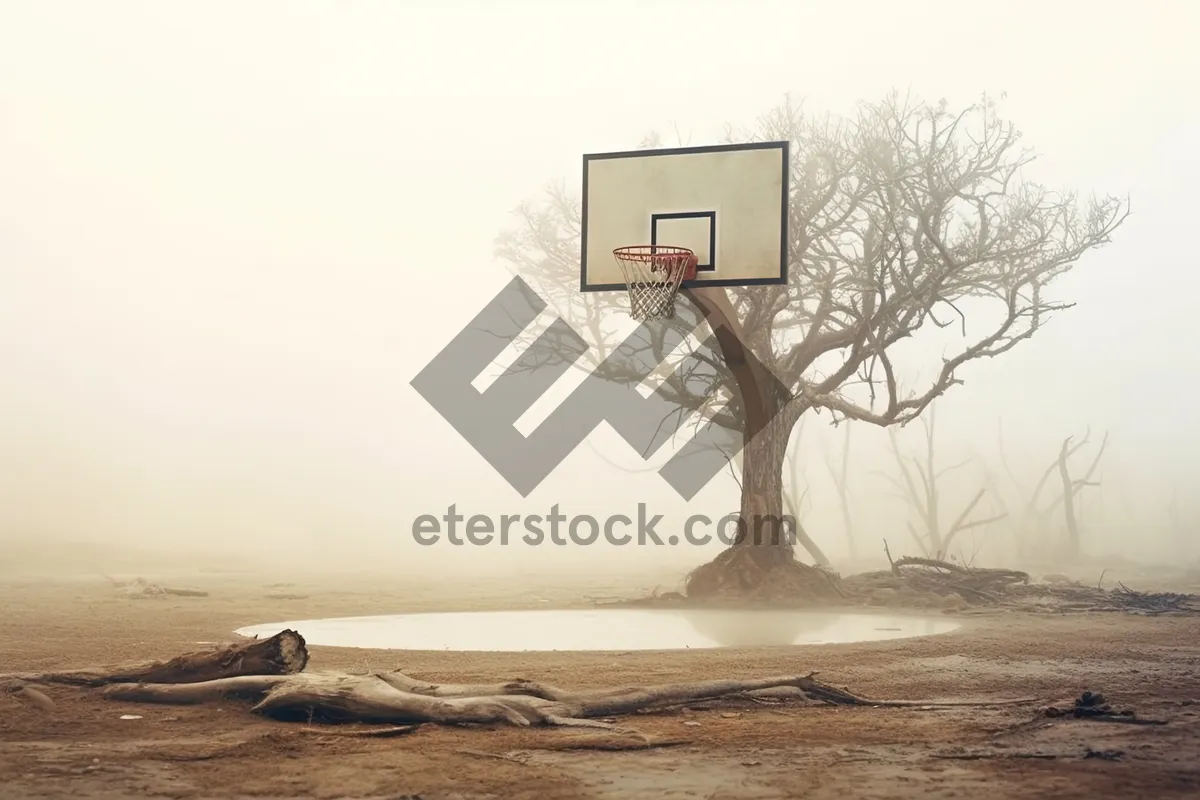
x=378, y=733
x=395, y=698
x=990, y=756
x=523, y=761
x=1087, y=598
x=268, y=673
x=613, y=745
x=920, y=577
x=932, y=563
x=973, y=584
x=1150, y=602
x=283, y=654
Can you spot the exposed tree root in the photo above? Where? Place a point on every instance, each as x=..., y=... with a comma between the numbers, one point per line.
x=268, y=674
x=762, y=572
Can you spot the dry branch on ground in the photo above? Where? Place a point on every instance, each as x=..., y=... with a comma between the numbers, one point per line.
x=913, y=579
x=269, y=675
x=282, y=654
x=928, y=583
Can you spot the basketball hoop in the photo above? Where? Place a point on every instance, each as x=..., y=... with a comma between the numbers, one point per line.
x=654, y=274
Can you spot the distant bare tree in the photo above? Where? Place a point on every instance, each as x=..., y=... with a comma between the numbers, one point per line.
x=1071, y=488
x=901, y=217
x=1036, y=514
x=923, y=495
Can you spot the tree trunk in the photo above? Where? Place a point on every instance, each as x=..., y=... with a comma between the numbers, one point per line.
x=763, y=454
x=761, y=561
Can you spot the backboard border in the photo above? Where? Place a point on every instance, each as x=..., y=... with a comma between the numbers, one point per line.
x=711, y=216
x=784, y=146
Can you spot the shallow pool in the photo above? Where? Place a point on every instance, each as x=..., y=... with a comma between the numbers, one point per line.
x=603, y=629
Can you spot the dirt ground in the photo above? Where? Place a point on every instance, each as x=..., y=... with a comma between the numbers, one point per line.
x=741, y=749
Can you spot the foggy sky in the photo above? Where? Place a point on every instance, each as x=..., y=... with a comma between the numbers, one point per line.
x=232, y=233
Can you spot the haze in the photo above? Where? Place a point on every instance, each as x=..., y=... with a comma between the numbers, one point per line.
x=232, y=233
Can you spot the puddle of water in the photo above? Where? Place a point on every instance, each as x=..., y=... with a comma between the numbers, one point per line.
x=609, y=629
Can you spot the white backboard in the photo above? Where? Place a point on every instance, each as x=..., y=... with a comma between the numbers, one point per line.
x=728, y=203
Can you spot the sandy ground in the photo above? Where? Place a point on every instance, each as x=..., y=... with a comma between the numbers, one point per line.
x=740, y=750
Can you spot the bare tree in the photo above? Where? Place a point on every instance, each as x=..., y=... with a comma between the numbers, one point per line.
x=1071, y=488
x=900, y=218
x=1036, y=514
x=923, y=495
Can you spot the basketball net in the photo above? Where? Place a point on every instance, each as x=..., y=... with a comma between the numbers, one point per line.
x=653, y=274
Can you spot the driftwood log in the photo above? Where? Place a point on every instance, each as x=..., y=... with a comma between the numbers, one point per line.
x=284, y=653
x=394, y=698
x=269, y=674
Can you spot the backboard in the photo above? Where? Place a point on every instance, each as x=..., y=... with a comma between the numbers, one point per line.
x=727, y=203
